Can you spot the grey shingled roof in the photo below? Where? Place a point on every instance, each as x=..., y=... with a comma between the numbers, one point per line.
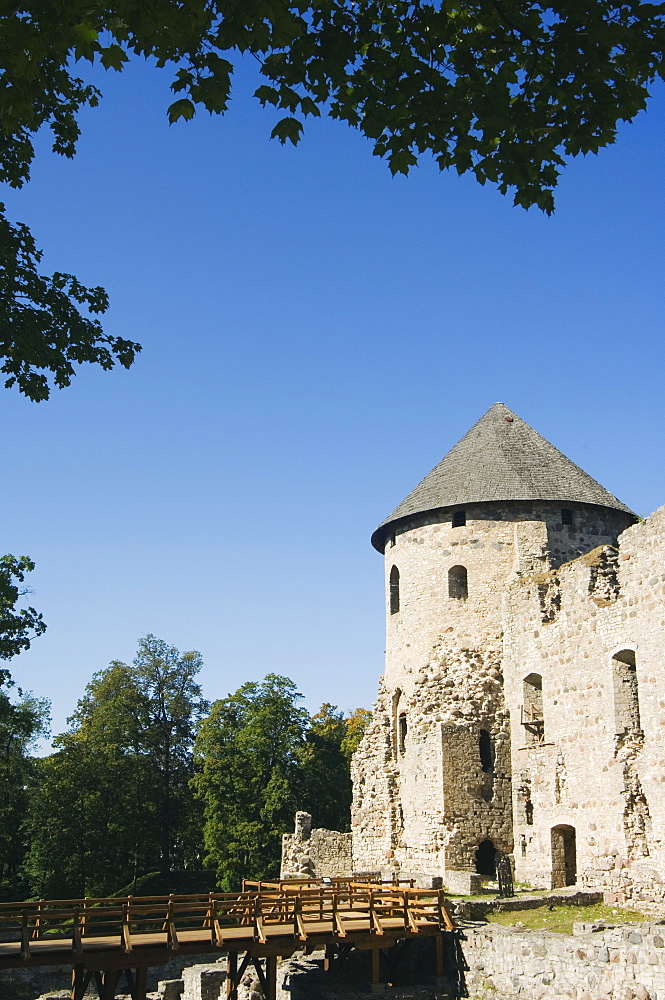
x=500, y=458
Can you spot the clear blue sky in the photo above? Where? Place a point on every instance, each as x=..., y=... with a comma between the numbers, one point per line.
x=316, y=336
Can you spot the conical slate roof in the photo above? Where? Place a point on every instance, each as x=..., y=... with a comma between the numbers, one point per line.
x=500, y=458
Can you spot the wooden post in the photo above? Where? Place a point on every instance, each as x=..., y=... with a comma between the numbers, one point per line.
x=141, y=983
x=438, y=946
x=108, y=982
x=271, y=977
x=377, y=985
x=232, y=976
x=329, y=957
x=78, y=983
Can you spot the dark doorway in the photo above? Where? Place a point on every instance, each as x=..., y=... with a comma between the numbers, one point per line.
x=564, y=856
x=486, y=750
x=486, y=859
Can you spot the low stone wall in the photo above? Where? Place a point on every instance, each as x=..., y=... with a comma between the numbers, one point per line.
x=609, y=963
x=309, y=853
x=477, y=909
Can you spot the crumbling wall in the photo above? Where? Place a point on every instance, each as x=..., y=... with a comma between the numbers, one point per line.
x=600, y=766
x=317, y=853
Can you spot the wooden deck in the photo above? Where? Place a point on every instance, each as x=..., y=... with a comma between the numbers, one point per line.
x=109, y=939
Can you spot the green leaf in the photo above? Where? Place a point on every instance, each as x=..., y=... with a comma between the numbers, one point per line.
x=288, y=129
x=181, y=109
x=113, y=57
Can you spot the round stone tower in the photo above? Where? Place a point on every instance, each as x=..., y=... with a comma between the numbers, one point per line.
x=432, y=791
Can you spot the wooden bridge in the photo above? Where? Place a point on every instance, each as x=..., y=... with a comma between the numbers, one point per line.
x=114, y=939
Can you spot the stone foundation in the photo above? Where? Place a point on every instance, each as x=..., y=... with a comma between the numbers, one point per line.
x=614, y=963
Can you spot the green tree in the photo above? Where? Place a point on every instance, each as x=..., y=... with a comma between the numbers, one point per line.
x=356, y=726
x=503, y=89
x=249, y=777
x=330, y=742
x=18, y=627
x=22, y=723
x=117, y=790
x=171, y=706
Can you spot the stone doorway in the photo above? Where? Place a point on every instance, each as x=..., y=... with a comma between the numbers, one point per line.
x=564, y=856
x=486, y=859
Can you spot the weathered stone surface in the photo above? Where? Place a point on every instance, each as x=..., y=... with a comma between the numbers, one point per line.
x=521, y=709
x=315, y=853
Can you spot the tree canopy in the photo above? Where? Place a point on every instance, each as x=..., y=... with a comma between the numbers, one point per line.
x=117, y=789
x=18, y=626
x=503, y=89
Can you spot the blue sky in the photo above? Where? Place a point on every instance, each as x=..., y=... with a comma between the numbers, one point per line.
x=316, y=336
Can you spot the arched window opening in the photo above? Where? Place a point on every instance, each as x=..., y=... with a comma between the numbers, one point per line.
x=626, y=701
x=394, y=590
x=397, y=694
x=486, y=750
x=564, y=856
x=458, y=586
x=532, y=709
x=459, y=519
x=401, y=732
x=486, y=859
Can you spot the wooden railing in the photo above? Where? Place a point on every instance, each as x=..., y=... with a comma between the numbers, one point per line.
x=297, y=909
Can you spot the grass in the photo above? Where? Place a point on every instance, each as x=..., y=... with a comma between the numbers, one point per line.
x=561, y=918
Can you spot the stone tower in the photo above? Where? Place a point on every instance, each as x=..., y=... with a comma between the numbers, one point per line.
x=432, y=777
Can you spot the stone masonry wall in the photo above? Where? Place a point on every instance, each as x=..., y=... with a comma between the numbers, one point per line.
x=593, y=631
x=309, y=853
x=423, y=800
x=617, y=963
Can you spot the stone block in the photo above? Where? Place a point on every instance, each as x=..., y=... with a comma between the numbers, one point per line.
x=463, y=883
x=170, y=989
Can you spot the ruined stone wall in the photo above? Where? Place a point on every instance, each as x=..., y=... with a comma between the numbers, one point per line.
x=593, y=631
x=423, y=799
x=617, y=963
x=317, y=853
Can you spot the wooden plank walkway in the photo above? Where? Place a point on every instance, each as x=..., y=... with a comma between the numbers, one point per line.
x=112, y=939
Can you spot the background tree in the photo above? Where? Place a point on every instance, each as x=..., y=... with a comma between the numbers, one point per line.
x=117, y=790
x=249, y=777
x=326, y=757
x=260, y=757
x=504, y=89
x=21, y=725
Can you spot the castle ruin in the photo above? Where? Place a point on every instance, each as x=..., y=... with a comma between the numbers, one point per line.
x=522, y=709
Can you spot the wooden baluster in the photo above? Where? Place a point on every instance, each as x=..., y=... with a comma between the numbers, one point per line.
x=172, y=935
x=25, y=937
x=77, y=945
x=258, y=922
x=125, y=933
x=37, y=931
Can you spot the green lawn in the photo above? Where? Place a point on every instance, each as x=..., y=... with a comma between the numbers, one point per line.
x=562, y=918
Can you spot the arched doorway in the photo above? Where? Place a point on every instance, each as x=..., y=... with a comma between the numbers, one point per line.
x=564, y=856
x=486, y=859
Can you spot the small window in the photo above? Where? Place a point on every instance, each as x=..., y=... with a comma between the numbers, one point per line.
x=458, y=586
x=567, y=517
x=394, y=590
x=401, y=731
x=486, y=750
x=626, y=699
x=532, y=709
x=392, y=539
x=459, y=519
